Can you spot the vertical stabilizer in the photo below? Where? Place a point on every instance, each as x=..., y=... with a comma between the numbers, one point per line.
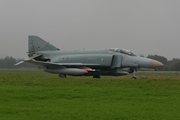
x=35, y=44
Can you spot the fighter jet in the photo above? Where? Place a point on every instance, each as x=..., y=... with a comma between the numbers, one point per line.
x=109, y=62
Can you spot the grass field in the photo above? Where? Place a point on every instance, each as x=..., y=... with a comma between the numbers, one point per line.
x=36, y=95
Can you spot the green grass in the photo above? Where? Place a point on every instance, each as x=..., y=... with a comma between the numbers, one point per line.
x=33, y=94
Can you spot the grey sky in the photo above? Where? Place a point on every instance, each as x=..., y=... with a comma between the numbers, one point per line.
x=142, y=26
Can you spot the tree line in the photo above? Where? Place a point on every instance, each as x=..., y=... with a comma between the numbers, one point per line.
x=170, y=65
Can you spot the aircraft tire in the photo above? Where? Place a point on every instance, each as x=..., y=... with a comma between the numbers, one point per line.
x=96, y=76
x=62, y=76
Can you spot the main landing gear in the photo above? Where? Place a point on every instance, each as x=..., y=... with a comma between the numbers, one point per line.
x=62, y=76
x=96, y=76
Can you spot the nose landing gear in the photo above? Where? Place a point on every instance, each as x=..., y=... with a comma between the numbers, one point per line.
x=135, y=74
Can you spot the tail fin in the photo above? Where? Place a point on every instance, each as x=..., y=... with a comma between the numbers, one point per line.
x=37, y=44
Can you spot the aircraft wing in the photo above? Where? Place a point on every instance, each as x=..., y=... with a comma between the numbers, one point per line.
x=43, y=63
x=58, y=64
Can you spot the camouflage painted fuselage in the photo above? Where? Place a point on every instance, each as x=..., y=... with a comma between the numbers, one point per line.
x=112, y=61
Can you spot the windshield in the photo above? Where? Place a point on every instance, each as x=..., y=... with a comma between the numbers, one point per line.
x=123, y=51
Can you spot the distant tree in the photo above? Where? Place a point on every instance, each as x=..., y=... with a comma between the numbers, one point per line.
x=7, y=62
x=1, y=63
x=175, y=65
x=161, y=59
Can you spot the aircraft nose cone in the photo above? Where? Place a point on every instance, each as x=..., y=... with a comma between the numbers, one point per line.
x=155, y=64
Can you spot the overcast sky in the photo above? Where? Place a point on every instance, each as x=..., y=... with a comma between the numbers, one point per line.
x=142, y=26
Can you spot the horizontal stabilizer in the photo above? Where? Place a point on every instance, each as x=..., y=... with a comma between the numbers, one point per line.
x=27, y=59
x=19, y=63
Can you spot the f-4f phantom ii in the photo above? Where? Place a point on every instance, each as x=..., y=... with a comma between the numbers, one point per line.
x=110, y=62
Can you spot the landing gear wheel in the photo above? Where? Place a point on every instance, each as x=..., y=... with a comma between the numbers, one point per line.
x=62, y=76
x=133, y=77
x=96, y=76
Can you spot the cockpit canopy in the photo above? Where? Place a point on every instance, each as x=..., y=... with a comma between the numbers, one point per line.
x=123, y=51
